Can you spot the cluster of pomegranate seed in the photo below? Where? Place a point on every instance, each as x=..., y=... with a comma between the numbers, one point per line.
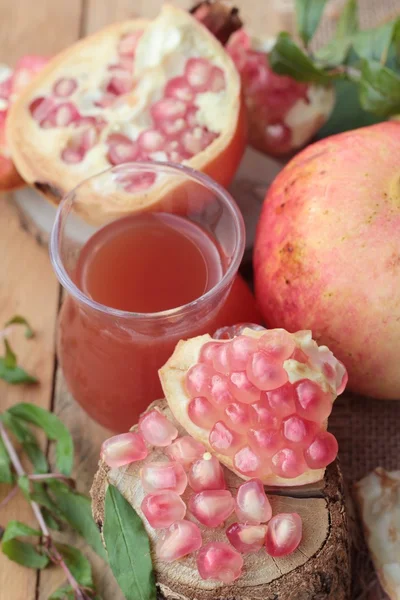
x=210, y=503
x=241, y=395
x=173, y=135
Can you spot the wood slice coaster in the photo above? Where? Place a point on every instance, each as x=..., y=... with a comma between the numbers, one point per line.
x=319, y=568
x=249, y=187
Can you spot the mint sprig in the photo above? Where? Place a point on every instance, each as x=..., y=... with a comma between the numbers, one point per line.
x=369, y=59
x=10, y=371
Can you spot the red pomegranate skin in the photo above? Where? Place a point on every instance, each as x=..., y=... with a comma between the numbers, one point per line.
x=327, y=252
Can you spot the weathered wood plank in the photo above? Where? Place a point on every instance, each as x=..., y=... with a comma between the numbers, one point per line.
x=28, y=287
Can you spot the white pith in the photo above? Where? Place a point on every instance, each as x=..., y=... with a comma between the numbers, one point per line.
x=302, y=117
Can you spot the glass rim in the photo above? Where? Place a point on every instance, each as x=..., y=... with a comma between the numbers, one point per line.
x=203, y=179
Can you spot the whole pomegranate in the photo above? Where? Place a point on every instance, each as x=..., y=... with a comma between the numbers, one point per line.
x=327, y=252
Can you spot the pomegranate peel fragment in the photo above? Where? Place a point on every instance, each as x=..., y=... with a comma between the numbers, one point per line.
x=283, y=441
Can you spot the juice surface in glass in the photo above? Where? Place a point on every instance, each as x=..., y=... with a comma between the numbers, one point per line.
x=137, y=285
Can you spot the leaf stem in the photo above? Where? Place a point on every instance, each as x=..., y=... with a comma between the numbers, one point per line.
x=9, y=497
x=52, y=550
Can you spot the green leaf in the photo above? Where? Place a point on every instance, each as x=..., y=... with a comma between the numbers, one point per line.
x=128, y=548
x=54, y=429
x=374, y=44
x=41, y=496
x=23, y=553
x=26, y=437
x=308, y=16
x=286, y=58
x=10, y=359
x=379, y=89
x=77, y=563
x=19, y=320
x=77, y=511
x=6, y=475
x=50, y=520
x=348, y=20
x=334, y=53
x=24, y=486
x=14, y=375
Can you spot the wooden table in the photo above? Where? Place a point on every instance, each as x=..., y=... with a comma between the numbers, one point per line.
x=28, y=285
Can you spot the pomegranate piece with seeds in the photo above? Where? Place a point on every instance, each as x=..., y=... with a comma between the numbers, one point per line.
x=252, y=504
x=284, y=534
x=212, y=507
x=156, y=429
x=123, y=449
x=160, y=476
x=267, y=421
x=246, y=538
x=163, y=509
x=181, y=539
x=121, y=149
x=185, y=450
x=206, y=474
x=219, y=561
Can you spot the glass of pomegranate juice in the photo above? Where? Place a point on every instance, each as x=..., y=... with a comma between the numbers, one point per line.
x=147, y=253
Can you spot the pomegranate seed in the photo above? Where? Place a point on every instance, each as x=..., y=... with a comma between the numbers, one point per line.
x=72, y=156
x=265, y=442
x=252, y=504
x=322, y=451
x=179, y=88
x=151, y=140
x=284, y=534
x=221, y=361
x=198, y=380
x=173, y=128
x=217, y=80
x=197, y=140
x=65, y=87
x=220, y=394
x=120, y=85
x=191, y=116
x=282, y=400
x=181, y=539
x=123, y=449
x=159, y=476
x=121, y=149
x=238, y=416
x=300, y=356
x=139, y=182
x=106, y=100
x=63, y=115
x=311, y=401
x=223, y=440
x=264, y=373
x=278, y=344
x=88, y=139
x=242, y=389
x=198, y=73
x=241, y=349
x=264, y=415
x=246, y=461
x=168, y=108
x=185, y=450
x=288, y=463
x=246, y=538
x=163, y=509
x=219, y=561
x=206, y=474
x=128, y=43
x=342, y=378
x=156, y=429
x=202, y=413
x=40, y=108
x=212, y=507
x=298, y=430
x=208, y=351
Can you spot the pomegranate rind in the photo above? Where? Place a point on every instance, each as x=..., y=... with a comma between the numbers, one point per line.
x=172, y=377
x=35, y=150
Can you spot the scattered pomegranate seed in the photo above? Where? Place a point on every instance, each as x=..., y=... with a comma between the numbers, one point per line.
x=246, y=461
x=156, y=429
x=160, y=476
x=288, y=463
x=311, y=401
x=322, y=451
x=198, y=73
x=246, y=539
x=163, y=509
x=202, y=413
x=179, y=88
x=185, y=450
x=65, y=87
x=223, y=440
x=206, y=474
x=212, y=507
x=284, y=534
x=123, y=449
x=219, y=561
x=252, y=504
x=181, y=539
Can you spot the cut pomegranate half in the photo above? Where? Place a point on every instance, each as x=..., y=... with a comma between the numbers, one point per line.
x=279, y=434
x=190, y=112
x=12, y=83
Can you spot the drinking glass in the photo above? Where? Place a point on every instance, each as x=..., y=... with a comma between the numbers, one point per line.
x=110, y=358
